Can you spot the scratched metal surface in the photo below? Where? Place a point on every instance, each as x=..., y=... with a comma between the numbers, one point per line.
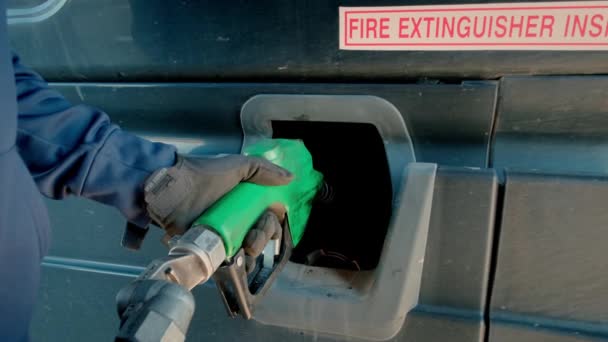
x=551, y=272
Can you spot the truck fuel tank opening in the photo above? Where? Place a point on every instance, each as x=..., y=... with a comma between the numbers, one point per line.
x=351, y=214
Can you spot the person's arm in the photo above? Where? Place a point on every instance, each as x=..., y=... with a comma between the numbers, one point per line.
x=76, y=149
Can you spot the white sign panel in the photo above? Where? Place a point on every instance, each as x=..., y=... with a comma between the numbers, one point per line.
x=578, y=25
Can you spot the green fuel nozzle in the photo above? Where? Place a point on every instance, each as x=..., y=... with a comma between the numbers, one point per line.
x=153, y=305
x=234, y=214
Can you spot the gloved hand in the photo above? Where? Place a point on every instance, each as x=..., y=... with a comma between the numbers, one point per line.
x=178, y=195
x=268, y=227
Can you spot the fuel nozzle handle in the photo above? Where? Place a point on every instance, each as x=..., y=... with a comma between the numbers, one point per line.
x=213, y=247
x=236, y=212
x=158, y=305
x=154, y=310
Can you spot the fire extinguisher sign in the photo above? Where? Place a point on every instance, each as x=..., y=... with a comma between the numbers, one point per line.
x=576, y=25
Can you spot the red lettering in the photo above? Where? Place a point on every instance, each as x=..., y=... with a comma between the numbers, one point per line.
x=567, y=26
x=531, y=26
x=581, y=26
x=547, y=23
x=596, y=25
x=490, y=27
x=428, y=25
x=384, y=27
x=514, y=25
x=481, y=33
x=446, y=26
x=467, y=29
x=436, y=27
x=501, y=26
x=403, y=26
x=370, y=27
x=416, y=28
x=352, y=27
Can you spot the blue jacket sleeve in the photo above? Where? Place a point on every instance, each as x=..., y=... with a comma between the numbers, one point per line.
x=76, y=149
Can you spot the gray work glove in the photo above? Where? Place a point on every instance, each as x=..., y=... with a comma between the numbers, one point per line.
x=268, y=227
x=178, y=195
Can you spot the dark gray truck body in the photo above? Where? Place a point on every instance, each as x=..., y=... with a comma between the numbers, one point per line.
x=517, y=233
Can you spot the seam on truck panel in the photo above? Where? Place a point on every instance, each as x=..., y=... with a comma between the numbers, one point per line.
x=500, y=194
x=554, y=325
x=92, y=266
x=500, y=199
x=492, y=137
x=100, y=267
